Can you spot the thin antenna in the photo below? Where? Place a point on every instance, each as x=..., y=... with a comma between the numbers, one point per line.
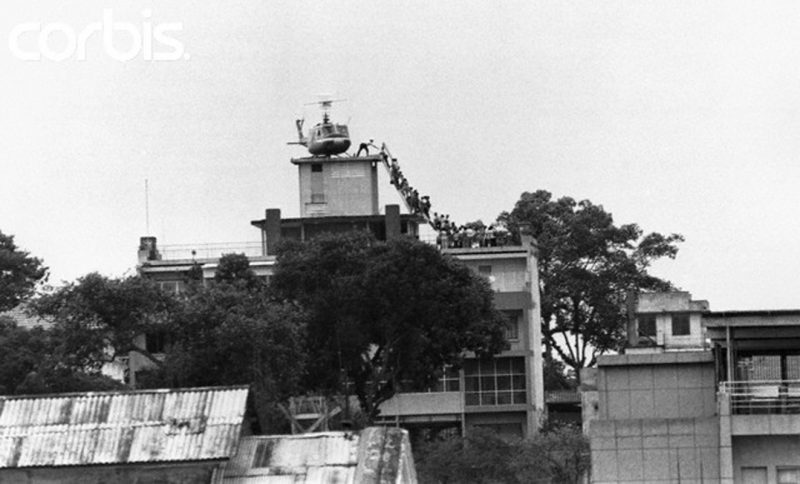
x=147, y=206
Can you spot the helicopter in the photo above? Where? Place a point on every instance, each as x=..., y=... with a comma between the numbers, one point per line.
x=325, y=138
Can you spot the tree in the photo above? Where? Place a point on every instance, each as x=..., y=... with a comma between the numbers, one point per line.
x=231, y=332
x=235, y=269
x=19, y=273
x=29, y=364
x=587, y=264
x=96, y=319
x=482, y=457
x=560, y=455
x=384, y=314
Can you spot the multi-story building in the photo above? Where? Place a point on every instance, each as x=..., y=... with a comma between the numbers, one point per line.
x=702, y=397
x=339, y=194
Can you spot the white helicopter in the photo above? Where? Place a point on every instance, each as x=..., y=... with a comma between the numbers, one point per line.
x=325, y=138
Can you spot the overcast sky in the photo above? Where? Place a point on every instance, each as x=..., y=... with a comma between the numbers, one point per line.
x=679, y=116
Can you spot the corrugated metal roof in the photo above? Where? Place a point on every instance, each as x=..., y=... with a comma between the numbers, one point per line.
x=325, y=457
x=375, y=455
x=120, y=427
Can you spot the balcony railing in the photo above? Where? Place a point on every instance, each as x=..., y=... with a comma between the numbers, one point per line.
x=209, y=251
x=763, y=396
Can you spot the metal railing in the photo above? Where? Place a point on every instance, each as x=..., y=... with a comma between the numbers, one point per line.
x=762, y=396
x=209, y=251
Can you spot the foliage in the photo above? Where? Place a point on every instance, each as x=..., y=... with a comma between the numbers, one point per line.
x=227, y=334
x=556, y=375
x=587, y=264
x=19, y=273
x=28, y=365
x=382, y=313
x=235, y=269
x=97, y=318
x=561, y=454
x=558, y=456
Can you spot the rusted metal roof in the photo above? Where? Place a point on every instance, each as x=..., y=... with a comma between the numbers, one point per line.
x=376, y=454
x=120, y=427
x=326, y=457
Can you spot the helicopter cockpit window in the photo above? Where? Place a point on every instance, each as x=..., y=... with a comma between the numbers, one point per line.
x=327, y=130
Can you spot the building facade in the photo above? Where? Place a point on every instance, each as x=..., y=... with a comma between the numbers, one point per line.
x=703, y=397
x=340, y=195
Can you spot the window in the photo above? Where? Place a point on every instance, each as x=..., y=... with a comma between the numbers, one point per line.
x=496, y=381
x=449, y=382
x=485, y=270
x=172, y=287
x=317, y=184
x=754, y=475
x=513, y=318
x=680, y=325
x=647, y=326
x=788, y=475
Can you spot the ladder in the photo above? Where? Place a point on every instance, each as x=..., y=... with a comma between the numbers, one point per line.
x=393, y=169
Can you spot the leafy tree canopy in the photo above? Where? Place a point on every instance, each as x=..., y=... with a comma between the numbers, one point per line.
x=29, y=364
x=235, y=269
x=587, y=264
x=560, y=455
x=230, y=332
x=97, y=318
x=382, y=314
x=224, y=333
x=19, y=273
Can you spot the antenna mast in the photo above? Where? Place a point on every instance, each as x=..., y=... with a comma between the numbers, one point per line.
x=147, y=206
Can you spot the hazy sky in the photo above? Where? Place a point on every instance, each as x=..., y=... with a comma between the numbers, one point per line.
x=679, y=116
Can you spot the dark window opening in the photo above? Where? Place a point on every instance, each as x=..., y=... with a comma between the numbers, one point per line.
x=680, y=325
x=647, y=326
x=513, y=318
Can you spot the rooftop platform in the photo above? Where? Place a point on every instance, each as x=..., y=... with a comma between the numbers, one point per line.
x=336, y=159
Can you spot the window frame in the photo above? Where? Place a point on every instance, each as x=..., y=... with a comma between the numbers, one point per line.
x=675, y=321
x=495, y=382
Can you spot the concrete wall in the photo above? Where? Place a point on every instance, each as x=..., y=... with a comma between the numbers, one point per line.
x=665, y=337
x=508, y=275
x=657, y=391
x=424, y=403
x=765, y=451
x=349, y=187
x=654, y=451
x=656, y=419
x=133, y=474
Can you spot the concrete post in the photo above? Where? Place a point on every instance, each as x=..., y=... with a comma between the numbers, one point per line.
x=148, y=249
x=392, y=222
x=272, y=230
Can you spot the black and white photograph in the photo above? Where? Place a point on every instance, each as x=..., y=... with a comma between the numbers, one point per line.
x=451, y=242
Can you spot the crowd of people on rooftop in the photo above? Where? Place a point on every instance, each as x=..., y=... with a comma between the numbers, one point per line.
x=450, y=235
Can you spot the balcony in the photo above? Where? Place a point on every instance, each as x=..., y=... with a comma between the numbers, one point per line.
x=758, y=397
x=761, y=407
